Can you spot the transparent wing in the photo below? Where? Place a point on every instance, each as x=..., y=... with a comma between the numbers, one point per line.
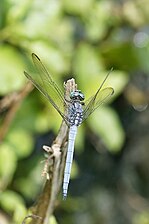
x=95, y=101
x=100, y=97
x=45, y=84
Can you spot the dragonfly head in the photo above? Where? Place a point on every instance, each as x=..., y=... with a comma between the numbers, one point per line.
x=77, y=95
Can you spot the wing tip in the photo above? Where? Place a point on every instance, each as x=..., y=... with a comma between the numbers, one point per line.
x=35, y=56
x=112, y=91
x=64, y=197
x=25, y=73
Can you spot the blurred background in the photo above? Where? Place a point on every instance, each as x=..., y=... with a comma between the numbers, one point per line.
x=82, y=39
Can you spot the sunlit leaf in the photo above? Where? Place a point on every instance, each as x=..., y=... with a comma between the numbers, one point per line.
x=11, y=67
x=13, y=202
x=98, y=20
x=17, y=138
x=51, y=56
x=8, y=163
x=118, y=81
x=78, y=7
x=87, y=68
x=105, y=123
x=52, y=220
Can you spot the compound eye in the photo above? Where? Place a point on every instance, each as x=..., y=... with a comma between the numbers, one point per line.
x=72, y=95
x=81, y=96
x=77, y=95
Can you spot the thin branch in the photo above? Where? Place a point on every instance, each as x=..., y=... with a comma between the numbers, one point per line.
x=13, y=101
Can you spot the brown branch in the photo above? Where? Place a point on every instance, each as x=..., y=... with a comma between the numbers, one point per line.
x=46, y=203
x=13, y=101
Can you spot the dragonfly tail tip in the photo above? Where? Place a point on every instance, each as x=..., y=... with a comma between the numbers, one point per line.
x=64, y=197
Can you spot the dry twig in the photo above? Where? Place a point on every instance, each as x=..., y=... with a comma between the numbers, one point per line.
x=12, y=101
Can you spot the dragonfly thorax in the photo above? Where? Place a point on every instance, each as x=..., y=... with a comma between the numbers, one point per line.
x=75, y=113
x=77, y=95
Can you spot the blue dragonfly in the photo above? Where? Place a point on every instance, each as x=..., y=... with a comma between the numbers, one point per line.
x=74, y=111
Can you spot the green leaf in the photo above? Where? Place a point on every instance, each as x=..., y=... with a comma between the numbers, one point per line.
x=11, y=67
x=106, y=123
x=98, y=20
x=51, y=56
x=12, y=202
x=118, y=80
x=21, y=141
x=8, y=162
x=122, y=55
x=87, y=68
x=78, y=7
x=52, y=220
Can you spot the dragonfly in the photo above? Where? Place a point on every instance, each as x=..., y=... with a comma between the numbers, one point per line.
x=74, y=111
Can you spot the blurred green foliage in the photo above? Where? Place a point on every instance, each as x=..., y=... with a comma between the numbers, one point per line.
x=80, y=39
